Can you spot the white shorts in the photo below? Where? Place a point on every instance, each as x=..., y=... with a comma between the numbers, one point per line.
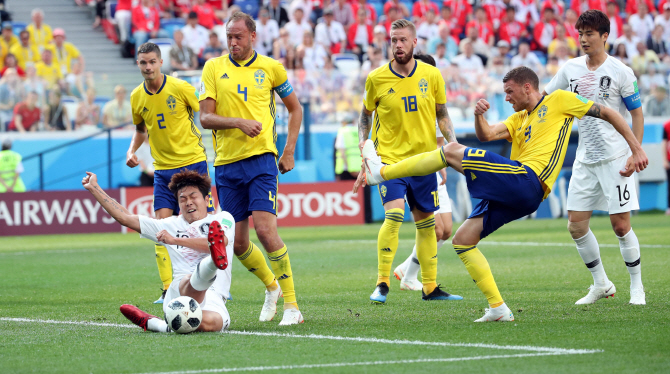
x=599, y=186
x=445, y=202
x=212, y=301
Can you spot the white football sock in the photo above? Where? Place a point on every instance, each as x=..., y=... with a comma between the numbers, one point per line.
x=440, y=243
x=204, y=274
x=157, y=325
x=630, y=251
x=413, y=266
x=587, y=246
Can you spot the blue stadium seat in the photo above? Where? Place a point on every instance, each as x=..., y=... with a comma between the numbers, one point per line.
x=70, y=104
x=101, y=101
x=409, y=4
x=379, y=7
x=17, y=27
x=172, y=24
x=249, y=7
x=111, y=10
x=541, y=56
x=438, y=3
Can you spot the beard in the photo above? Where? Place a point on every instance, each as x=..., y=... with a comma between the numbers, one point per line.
x=405, y=59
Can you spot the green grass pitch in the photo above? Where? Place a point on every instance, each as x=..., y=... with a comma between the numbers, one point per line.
x=85, y=278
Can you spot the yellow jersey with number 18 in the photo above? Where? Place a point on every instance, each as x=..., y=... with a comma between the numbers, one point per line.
x=244, y=89
x=404, y=119
x=168, y=115
x=540, y=137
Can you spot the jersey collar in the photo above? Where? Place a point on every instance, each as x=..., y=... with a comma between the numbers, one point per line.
x=159, y=90
x=537, y=105
x=400, y=76
x=230, y=56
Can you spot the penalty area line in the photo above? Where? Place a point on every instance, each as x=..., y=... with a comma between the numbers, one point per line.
x=504, y=243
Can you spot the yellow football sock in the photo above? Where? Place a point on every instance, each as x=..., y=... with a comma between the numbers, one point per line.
x=282, y=266
x=164, y=265
x=426, y=252
x=387, y=243
x=254, y=261
x=480, y=272
x=416, y=166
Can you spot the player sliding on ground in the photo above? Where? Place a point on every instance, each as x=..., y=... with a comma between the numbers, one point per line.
x=509, y=188
x=201, y=271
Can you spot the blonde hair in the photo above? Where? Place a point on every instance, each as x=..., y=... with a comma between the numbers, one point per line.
x=403, y=24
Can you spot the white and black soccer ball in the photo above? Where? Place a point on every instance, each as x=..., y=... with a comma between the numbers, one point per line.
x=183, y=315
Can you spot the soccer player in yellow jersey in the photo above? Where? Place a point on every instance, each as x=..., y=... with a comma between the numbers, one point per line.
x=237, y=96
x=163, y=108
x=407, y=96
x=509, y=188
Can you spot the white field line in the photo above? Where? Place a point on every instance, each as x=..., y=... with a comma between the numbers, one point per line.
x=55, y=251
x=548, y=350
x=515, y=244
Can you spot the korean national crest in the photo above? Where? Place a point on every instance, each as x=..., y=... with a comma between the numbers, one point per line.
x=259, y=77
x=423, y=87
x=171, y=103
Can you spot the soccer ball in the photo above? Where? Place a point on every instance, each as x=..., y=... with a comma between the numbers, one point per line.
x=183, y=315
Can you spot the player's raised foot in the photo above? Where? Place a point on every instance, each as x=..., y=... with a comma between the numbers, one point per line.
x=291, y=316
x=597, y=293
x=160, y=299
x=136, y=315
x=379, y=295
x=439, y=294
x=498, y=314
x=217, y=247
x=637, y=296
x=270, y=305
x=399, y=272
x=410, y=284
x=373, y=164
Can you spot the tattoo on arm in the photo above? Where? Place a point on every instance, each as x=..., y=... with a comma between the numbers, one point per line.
x=364, y=125
x=594, y=111
x=444, y=122
x=114, y=204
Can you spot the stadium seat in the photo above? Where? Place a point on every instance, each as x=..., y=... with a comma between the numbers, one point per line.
x=70, y=104
x=249, y=7
x=409, y=4
x=379, y=7
x=438, y=3
x=165, y=46
x=17, y=27
x=347, y=63
x=110, y=10
x=541, y=56
x=172, y=24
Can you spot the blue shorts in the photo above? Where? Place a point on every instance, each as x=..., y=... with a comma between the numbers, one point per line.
x=163, y=197
x=421, y=192
x=248, y=185
x=508, y=189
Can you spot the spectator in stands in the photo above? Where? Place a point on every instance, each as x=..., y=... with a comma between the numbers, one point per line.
x=27, y=114
x=393, y=15
x=25, y=52
x=267, y=31
x=421, y=7
x=195, y=36
x=78, y=81
x=641, y=22
x=375, y=60
x=527, y=13
x=123, y=16
x=9, y=62
x=8, y=39
x=483, y=26
x=99, y=12
x=49, y=72
x=663, y=19
x=40, y=33
x=65, y=52
x=581, y=6
x=117, y=111
x=511, y=30
x=427, y=29
x=648, y=81
x=55, y=114
x=443, y=37
x=620, y=53
x=11, y=93
x=278, y=13
x=330, y=33
x=503, y=50
x=644, y=56
x=561, y=53
x=633, y=6
x=360, y=34
x=460, y=10
x=380, y=42
x=305, y=5
x=146, y=23
x=35, y=84
x=495, y=12
x=205, y=14
x=571, y=21
x=446, y=18
x=470, y=65
x=371, y=13
x=545, y=31
x=481, y=48
x=181, y=56
x=656, y=43
x=313, y=56
x=297, y=27
x=556, y=5
x=281, y=46
x=616, y=23
x=657, y=105
x=400, y=8
x=629, y=40
x=526, y=58
x=440, y=56
x=562, y=38
x=214, y=48
x=88, y=112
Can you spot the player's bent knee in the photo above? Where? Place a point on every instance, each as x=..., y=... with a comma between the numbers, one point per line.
x=621, y=228
x=578, y=229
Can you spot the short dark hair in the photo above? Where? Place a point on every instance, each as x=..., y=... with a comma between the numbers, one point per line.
x=188, y=178
x=148, y=48
x=522, y=75
x=594, y=20
x=428, y=59
x=192, y=15
x=248, y=21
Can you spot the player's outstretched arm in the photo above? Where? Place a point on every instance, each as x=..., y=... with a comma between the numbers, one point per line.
x=135, y=143
x=212, y=121
x=484, y=131
x=116, y=210
x=444, y=122
x=198, y=244
x=638, y=161
x=286, y=161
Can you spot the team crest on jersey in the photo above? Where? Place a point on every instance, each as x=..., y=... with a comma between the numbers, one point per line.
x=423, y=87
x=383, y=191
x=204, y=228
x=171, y=103
x=259, y=76
x=605, y=83
x=541, y=113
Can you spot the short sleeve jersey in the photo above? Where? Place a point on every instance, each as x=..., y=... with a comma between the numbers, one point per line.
x=244, y=89
x=613, y=85
x=184, y=259
x=168, y=115
x=404, y=107
x=540, y=137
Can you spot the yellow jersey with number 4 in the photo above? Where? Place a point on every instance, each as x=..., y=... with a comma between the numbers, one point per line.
x=168, y=115
x=244, y=89
x=540, y=137
x=404, y=118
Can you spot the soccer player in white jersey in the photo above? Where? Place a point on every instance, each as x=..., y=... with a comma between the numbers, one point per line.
x=199, y=245
x=599, y=181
